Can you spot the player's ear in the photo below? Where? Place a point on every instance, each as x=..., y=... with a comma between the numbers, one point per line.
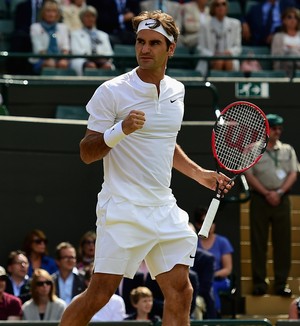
x=171, y=50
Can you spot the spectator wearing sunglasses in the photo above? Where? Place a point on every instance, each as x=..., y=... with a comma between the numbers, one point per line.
x=86, y=250
x=287, y=41
x=35, y=247
x=67, y=281
x=221, y=36
x=44, y=305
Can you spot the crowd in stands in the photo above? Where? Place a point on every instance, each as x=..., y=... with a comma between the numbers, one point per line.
x=35, y=285
x=94, y=27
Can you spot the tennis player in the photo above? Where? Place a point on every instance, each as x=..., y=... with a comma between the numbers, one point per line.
x=133, y=125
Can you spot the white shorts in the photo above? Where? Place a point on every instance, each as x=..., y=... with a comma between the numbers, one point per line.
x=127, y=234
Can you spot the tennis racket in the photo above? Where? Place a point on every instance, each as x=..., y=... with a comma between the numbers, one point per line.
x=239, y=139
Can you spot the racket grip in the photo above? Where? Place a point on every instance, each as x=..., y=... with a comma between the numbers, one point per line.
x=209, y=218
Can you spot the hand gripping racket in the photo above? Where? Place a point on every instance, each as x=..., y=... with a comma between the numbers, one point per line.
x=239, y=139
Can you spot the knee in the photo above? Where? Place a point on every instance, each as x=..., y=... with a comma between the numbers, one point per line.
x=182, y=295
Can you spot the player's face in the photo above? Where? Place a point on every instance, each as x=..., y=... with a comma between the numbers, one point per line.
x=151, y=50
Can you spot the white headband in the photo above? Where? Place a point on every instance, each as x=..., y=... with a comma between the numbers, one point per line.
x=148, y=23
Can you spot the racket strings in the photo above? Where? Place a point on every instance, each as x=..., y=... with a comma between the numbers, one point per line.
x=240, y=137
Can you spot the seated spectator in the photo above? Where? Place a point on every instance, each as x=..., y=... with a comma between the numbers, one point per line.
x=194, y=15
x=142, y=300
x=70, y=14
x=17, y=282
x=114, y=310
x=222, y=250
x=114, y=18
x=172, y=8
x=67, y=283
x=294, y=309
x=86, y=250
x=44, y=305
x=35, y=247
x=262, y=21
x=287, y=41
x=10, y=305
x=90, y=40
x=26, y=13
x=49, y=37
x=204, y=267
x=220, y=36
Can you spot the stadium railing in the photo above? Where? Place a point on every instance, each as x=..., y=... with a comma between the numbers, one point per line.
x=122, y=61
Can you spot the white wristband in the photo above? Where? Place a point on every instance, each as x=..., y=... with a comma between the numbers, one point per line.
x=114, y=134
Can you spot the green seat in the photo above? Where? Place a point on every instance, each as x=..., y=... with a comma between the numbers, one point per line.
x=176, y=72
x=129, y=61
x=234, y=9
x=223, y=73
x=251, y=51
x=71, y=112
x=268, y=73
x=6, y=30
x=101, y=72
x=46, y=71
x=297, y=73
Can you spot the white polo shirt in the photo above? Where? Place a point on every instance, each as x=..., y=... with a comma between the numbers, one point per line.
x=139, y=167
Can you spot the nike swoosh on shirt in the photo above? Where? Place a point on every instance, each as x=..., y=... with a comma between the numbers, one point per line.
x=192, y=256
x=172, y=101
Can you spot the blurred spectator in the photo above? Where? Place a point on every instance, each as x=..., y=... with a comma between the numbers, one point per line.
x=50, y=37
x=287, y=41
x=17, y=282
x=172, y=8
x=194, y=15
x=142, y=300
x=222, y=250
x=67, y=283
x=262, y=21
x=204, y=267
x=294, y=309
x=10, y=305
x=114, y=18
x=70, y=14
x=35, y=247
x=44, y=305
x=114, y=310
x=86, y=250
x=90, y=40
x=26, y=13
x=220, y=36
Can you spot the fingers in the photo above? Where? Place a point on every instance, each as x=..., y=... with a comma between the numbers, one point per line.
x=134, y=121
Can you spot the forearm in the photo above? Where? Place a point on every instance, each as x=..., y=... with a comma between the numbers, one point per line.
x=183, y=164
x=93, y=148
x=289, y=181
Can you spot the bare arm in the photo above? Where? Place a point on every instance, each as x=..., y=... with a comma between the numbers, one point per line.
x=272, y=196
x=227, y=266
x=207, y=178
x=93, y=147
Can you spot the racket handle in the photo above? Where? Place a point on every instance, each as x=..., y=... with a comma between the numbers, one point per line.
x=209, y=218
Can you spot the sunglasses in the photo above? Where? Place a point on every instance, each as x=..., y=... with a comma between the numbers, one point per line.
x=291, y=17
x=88, y=242
x=39, y=241
x=42, y=283
x=219, y=4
